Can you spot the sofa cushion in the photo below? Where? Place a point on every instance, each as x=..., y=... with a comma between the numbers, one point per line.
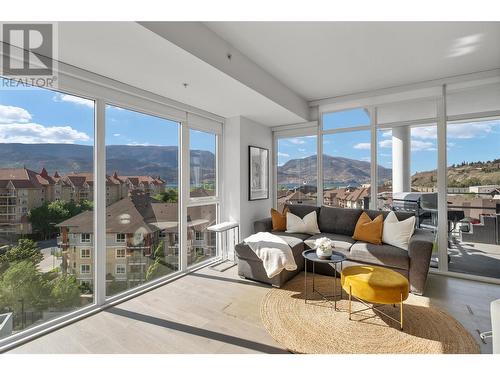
x=342, y=242
x=279, y=219
x=369, y=230
x=385, y=255
x=292, y=239
x=302, y=210
x=338, y=220
x=308, y=224
x=399, y=214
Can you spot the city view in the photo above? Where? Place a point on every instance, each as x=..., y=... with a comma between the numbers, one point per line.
x=473, y=157
x=47, y=201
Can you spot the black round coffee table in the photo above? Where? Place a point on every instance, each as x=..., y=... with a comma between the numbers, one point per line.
x=337, y=257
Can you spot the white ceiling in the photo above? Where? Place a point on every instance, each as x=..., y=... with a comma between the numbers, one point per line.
x=305, y=60
x=129, y=53
x=326, y=59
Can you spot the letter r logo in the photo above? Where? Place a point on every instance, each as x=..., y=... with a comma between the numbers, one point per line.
x=27, y=49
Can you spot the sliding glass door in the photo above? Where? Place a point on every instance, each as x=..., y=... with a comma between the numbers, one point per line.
x=473, y=197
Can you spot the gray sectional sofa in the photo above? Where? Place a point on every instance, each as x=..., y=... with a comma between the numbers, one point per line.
x=338, y=224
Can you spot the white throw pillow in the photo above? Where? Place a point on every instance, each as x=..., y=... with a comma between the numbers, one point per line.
x=397, y=233
x=308, y=224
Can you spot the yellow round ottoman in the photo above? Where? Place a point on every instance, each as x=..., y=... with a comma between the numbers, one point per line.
x=376, y=285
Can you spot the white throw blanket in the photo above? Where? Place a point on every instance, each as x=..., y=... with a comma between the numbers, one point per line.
x=275, y=253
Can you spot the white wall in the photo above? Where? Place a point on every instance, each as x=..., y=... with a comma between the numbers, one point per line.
x=253, y=134
x=239, y=133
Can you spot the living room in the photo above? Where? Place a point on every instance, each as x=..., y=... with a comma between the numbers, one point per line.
x=291, y=185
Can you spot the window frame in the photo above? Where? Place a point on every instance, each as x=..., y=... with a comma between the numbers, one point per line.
x=85, y=265
x=85, y=249
x=124, y=253
x=117, y=265
x=85, y=241
x=102, y=90
x=124, y=240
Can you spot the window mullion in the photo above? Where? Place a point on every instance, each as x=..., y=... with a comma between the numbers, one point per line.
x=100, y=204
x=184, y=179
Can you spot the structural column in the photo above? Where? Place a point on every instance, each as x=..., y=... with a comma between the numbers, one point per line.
x=401, y=144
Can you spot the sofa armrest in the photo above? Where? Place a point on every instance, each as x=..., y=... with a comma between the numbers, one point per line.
x=419, y=252
x=263, y=225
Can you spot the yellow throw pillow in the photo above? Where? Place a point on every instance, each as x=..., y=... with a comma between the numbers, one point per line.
x=369, y=230
x=279, y=220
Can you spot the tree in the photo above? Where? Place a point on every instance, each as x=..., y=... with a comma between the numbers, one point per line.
x=25, y=249
x=159, y=251
x=65, y=292
x=156, y=270
x=44, y=218
x=22, y=285
x=159, y=267
x=169, y=196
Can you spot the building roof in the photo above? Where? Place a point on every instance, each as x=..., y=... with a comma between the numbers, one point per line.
x=23, y=178
x=26, y=178
x=137, y=212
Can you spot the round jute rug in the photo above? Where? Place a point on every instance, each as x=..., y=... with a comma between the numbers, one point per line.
x=316, y=328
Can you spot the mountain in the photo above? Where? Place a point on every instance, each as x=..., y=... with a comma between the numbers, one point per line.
x=126, y=160
x=463, y=175
x=336, y=171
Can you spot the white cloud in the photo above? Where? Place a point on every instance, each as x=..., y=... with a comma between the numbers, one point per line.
x=362, y=146
x=296, y=141
x=386, y=143
x=386, y=133
x=36, y=133
x=471, y=129
x=464, y=130
x=302, y=150
x=283, y=155
x=427, y=132
x=116, y=134
x=141, y=144
x=73, y=99
x=10, y=115
x=417, y=145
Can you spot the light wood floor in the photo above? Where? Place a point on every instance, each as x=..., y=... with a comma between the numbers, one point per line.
x=214, y=312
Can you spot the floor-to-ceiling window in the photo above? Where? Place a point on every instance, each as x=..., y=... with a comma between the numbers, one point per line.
x=296, y=170
x=473, y=178
x=346, y=158
x=46, y=181
x=202, y=211
x=61, y=154
x=142, y=198
x=457, y=123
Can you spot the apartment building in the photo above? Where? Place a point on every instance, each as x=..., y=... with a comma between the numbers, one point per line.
x=22, y=189
x=135, y=226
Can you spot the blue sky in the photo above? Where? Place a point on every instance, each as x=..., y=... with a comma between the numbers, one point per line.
x=31, y=115
x=470, y=141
